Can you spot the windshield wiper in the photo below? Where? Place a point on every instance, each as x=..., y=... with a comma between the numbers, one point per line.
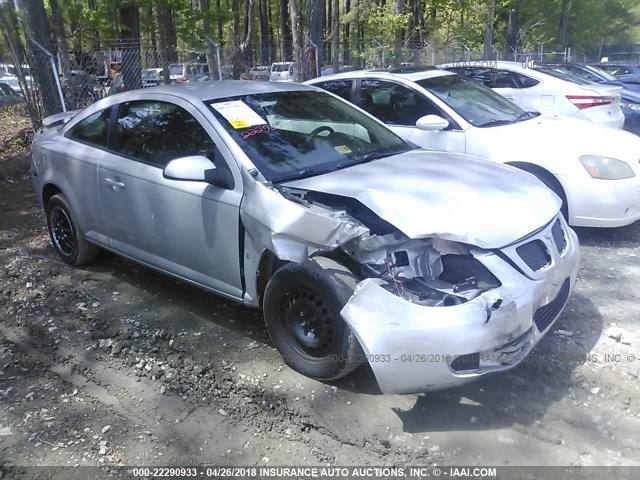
x=304, y=173
x=495, y=123
x=526, y=116
x=312, y=172
x=368, y=157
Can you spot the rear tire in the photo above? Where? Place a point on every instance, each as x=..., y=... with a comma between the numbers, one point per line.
x=302, y=304
x=66, y=236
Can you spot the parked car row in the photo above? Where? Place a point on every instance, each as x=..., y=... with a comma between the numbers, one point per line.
x=538, y=89
x=8, y=96
x=9, y=76
x=379, y=218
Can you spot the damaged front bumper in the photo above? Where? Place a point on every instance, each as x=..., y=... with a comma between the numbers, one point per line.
x=413, y=348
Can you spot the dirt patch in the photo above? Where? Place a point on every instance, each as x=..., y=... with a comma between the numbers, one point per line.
x=114, y=364
x=16, y=134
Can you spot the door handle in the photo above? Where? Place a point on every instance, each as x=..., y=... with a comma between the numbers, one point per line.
x=509, y=97
x=113, y=183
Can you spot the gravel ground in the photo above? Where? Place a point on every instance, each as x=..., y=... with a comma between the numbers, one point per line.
x=113, y=364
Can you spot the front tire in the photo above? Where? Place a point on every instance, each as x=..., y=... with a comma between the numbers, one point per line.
x=554, y=185
x=66, y=236
x=302, y=304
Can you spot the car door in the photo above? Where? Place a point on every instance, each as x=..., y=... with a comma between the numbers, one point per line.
x=187, y=228
x=400, y=107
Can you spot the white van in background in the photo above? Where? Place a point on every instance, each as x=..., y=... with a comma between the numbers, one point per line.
x=281, y=72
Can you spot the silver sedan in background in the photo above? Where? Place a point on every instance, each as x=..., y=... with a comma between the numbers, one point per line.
x=435, y=268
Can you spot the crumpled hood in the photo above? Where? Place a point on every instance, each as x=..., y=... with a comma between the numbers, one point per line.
x=425, y=193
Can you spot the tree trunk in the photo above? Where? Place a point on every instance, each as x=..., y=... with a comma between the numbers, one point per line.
x=399, y=34
x=203, y=6
x=488, y=29
x=130, y=42
x=513, y=29
x=316, y=21
x=63, y=52
x=433, y=18
x=297, y=47
x=328, y=25
x=346, y=50
x=219, y=21
x=335, y=35
x=95, y=32
x=246, y=51
x=152, y=36
x=272, y=47
x=235, y=32
x=37, y=30
x=264, y=33
x=285, y=31
x=564, y=23
x=166, y=38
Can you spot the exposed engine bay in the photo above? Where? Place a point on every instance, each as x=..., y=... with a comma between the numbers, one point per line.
x=428, y=271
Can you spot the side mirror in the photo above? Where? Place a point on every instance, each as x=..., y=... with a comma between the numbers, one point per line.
x=193, y=168
x=198, y=168
x=432, y=123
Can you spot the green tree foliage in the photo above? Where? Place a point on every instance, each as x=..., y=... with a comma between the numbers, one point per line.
x=370, y=26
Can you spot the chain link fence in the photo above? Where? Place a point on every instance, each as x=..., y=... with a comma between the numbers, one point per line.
x=59, y=82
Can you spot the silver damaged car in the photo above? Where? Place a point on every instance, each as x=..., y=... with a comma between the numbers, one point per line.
x=434, y=268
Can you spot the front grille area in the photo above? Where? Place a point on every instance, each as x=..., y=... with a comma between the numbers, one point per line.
x=534, y=254
x=544, y=316
x=558, y=236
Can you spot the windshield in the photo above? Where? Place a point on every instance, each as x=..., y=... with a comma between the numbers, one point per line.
x=150, y=73
x=477, y=104
x=175, y=69
x=603, y=73
x=280, y=68
x=297, y=134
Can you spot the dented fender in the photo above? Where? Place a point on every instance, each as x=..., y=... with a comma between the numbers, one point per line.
x=291, y=231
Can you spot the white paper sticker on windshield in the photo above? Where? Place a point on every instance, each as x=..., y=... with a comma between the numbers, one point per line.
x=238, y=114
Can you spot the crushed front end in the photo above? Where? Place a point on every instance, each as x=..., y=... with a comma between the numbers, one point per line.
x=434, y=313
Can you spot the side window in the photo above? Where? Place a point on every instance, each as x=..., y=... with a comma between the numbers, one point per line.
x=525, y=81
x=393, y=103
x=342, y=88
x=93, y=129
x=6, y=90
x=157, y=132
x=502, y=79
x=490, y=77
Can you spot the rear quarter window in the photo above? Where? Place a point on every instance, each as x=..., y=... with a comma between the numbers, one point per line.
x=342, y=88
x=92, y=130
x=525, y=81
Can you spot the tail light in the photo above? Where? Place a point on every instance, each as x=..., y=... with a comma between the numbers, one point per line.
x=587, y=101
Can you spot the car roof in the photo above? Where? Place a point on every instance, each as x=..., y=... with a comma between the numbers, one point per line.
x=407, y=73
x=212, y=90
x=513, y=66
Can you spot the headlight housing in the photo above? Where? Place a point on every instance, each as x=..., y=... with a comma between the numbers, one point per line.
x=606, y=168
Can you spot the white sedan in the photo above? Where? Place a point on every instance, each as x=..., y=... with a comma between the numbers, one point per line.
x=542, y=90
x=593, y=169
